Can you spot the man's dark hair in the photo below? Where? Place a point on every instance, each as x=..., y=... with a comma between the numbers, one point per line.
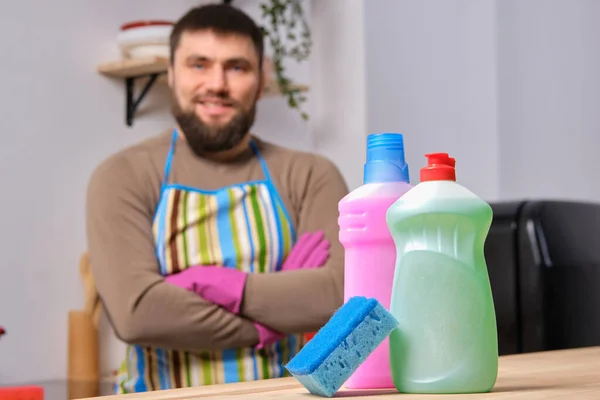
x=221, y=19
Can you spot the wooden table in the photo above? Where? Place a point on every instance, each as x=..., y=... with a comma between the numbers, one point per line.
x=565, y=374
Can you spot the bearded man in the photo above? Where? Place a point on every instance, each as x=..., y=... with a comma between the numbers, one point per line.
x=213, y=251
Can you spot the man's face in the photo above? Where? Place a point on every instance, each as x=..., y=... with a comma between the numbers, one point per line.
x=215, y=81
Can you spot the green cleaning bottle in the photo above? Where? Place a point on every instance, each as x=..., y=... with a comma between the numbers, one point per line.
x=447, y=340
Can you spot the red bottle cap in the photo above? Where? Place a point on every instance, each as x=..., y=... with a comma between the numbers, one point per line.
x=440, y=167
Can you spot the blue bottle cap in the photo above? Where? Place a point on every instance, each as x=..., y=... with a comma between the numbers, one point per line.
x=385, y=159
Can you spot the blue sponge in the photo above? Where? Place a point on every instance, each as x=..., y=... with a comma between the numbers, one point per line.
x=338, y=348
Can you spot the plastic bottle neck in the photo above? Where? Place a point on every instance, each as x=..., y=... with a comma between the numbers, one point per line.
x=385, y=159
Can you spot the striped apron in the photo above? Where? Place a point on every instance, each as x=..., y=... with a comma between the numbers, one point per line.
x=243, y=226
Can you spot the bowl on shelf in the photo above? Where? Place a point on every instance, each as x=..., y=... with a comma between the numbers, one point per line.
x=142, y=39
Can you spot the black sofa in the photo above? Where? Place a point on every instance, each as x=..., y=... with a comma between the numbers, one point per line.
x=543, y=260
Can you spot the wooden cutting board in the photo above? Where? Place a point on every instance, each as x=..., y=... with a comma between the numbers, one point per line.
x=565, y=374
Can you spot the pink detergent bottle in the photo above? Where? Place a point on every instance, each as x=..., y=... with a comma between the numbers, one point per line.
x=370, y=252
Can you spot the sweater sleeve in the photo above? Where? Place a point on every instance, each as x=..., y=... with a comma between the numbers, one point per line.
x=304, y=300
x=142, y=307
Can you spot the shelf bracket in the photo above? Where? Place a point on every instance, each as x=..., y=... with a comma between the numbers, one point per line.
x=132, y=103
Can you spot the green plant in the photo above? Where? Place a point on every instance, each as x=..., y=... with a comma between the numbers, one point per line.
x=288, y=34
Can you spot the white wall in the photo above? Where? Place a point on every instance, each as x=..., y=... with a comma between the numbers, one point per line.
x=549, y=97
x=339, y=85
x=60, y=120
x=510, y=88
x=426, y=69
x=431, y=69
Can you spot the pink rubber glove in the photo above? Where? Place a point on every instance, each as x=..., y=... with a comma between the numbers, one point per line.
x=267, y=336
x=310, y=251
x=219, y=285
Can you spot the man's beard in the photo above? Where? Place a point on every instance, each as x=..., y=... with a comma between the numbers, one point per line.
x=204, y=138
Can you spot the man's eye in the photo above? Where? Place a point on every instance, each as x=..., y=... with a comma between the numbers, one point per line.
x=198, y=66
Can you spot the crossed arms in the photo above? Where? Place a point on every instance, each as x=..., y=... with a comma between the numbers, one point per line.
x=144, y=309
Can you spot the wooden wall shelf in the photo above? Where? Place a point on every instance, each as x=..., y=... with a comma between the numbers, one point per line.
x=133, y=67
x=152, y=68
